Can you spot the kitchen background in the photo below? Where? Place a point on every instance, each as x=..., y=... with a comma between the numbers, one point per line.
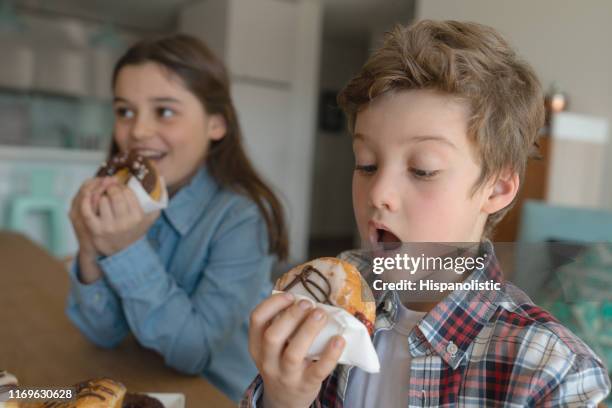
x=288, y=59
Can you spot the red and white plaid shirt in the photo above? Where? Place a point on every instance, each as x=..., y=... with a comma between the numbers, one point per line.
x=477, y=348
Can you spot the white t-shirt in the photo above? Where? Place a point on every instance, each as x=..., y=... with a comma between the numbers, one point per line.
x=389, y=387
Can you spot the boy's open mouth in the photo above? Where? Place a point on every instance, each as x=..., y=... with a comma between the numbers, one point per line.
x=388, y=239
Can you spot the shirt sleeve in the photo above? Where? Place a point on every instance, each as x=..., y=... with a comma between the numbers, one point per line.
x=585, y=385
x=186, y=328
x=95, y=309
x=253, y=395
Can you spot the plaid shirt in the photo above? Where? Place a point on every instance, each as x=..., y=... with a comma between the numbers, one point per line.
x=481, y=348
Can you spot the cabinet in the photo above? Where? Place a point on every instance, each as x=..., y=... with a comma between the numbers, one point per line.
x=571, y=172
x=534, y=188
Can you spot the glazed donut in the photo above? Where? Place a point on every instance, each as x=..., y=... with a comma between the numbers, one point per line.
x=334, y=282
x=135, y=400
x=99, y=393
x=126, y=165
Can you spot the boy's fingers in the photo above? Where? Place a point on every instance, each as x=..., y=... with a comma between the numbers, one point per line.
x=269, y=308
x=263, y=314
x=282, y=328
x=303, y=338
x=319, y=370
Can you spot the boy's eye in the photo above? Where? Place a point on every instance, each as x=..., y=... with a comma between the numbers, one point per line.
x=125, y=113
x=165, y=112
x=366, y=168
x=423, y=174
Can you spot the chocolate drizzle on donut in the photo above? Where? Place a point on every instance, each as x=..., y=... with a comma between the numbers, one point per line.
x=133, y=400
x=320, y=294
x=323, y=295
x=92, y=389
x=137, y=165
x=56, y=404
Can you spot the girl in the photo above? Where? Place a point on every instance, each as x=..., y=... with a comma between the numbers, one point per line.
x=183, y=281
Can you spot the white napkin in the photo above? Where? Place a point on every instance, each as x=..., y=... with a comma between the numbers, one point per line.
x=358, y=351
x=146, y=202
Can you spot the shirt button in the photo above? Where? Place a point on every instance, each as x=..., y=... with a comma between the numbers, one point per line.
x=97, y=297
x=388, y=306
x=452, y=349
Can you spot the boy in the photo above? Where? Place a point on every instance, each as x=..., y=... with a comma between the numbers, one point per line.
x=443, y=117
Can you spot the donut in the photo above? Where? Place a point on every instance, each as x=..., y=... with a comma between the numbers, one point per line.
x=135, y=400
x=126, y=165
x=334, y=282
x=98, y=393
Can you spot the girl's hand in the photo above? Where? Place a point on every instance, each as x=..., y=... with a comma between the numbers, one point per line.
x=120, y=221
x=81, y=204
x=280, y=335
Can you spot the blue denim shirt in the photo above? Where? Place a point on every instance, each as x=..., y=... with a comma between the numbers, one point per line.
x=186, y=289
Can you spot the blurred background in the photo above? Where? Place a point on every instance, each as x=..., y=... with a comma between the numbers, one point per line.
x=288, y=59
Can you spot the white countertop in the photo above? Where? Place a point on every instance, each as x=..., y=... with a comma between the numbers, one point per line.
x=53, y=154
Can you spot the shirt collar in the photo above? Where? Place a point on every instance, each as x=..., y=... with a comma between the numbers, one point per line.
x=188, y=203
x=452, y=325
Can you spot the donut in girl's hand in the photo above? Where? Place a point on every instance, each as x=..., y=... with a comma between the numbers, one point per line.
x=127, y=165
x=334, y=282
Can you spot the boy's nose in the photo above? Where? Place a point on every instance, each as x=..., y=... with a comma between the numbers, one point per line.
x=384, y=194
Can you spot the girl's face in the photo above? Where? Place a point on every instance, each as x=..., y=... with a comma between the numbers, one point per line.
x=156, y=115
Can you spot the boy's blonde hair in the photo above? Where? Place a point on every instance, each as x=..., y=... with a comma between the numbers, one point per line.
x=469, y=61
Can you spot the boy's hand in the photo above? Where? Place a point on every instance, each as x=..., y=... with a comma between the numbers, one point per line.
x=280, y=335
x=120, y=221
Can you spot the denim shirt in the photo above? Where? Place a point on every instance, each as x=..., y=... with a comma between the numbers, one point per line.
x=186, y=289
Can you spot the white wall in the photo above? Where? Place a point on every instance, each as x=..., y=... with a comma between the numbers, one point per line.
x=331, y=208
x=271, y=48
x=207, y=20
x=566, y=41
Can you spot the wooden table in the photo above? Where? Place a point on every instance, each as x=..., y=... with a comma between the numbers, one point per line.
x=40, y=346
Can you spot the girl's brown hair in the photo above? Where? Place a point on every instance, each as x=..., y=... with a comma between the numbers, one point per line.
x=204, y=75
x=473, y=63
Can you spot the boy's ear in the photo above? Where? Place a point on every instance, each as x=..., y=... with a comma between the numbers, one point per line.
x=502, y=192
x=217, y=127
